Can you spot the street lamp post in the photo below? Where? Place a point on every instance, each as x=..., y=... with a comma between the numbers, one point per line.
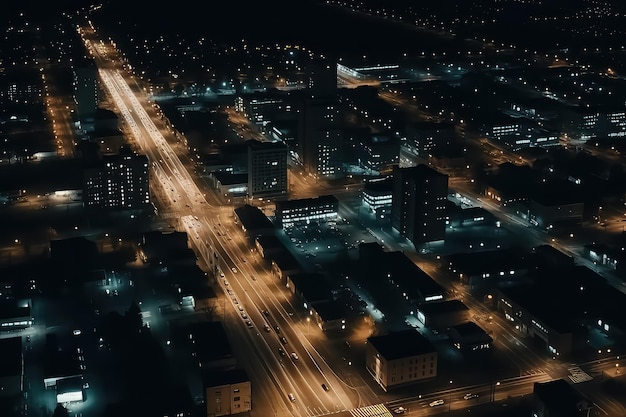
x=493, y=391
x=450, y=396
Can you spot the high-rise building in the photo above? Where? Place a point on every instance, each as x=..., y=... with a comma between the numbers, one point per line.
x=118, y=181
x=267, y=169
x=418, y=208
x=86, y=89
x=322, y=134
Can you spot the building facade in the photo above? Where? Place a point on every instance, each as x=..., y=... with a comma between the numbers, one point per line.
x=306, y=210
x=267, y=169
x=418, y=209
x=400, y=358
x=118, y=182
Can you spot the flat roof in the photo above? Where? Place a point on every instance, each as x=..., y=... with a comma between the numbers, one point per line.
x=472, y=263
x=210, y=340
x=468, y=329
x=411, y=277
x=10, y=310
x=282, y=205
x=401, y=344
x=313, y=286
x=449, y=306
x=61, y=363
x=216, y=378
x=559, y=395
x=331, y=310
x=11, y=356
x=252, y=218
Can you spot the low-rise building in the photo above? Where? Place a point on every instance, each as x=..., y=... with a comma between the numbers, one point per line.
x=442, y=314
x=400, y=358
x=559, y=399
x=306, y=210
x=470, y=337
x=11, y=367
x=227, y=392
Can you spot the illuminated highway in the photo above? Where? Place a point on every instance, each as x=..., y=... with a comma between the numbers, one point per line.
x=256, y=299
x=221, y=245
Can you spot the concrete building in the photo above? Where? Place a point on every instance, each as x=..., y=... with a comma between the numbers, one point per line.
x=498, y=265
x=559, y=399
x=11, y=367
x=86, y=90
x=554, y=204
x=442, y=314
x=254, y=222
x=306, y=210
x=322, y=122
x=400, y=358
x=227, y=392
x=418, y=210
x=423, y=137
x=377, y=196
x=15, y=315
x=118, y=182
x=470, y=337
x=229, y=184
x=59, y=362
x=206, y=341
x=377, y=153
x=267, y=169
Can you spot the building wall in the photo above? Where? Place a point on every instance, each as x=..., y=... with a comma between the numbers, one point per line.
x=302, y=211
x=228, y=399
x=86, y=90
x=418, y=209
x=556, y=342
x=322, y=139
x=401, y=371
x=122, y=182
x=267, y=170
x=546, y=215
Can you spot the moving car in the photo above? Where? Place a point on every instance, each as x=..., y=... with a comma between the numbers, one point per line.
x=470, y=396
x=267, y=328
x=292, y=398
x=325, y=387
x=399, y=410
x=436, y=403
x=294, y=356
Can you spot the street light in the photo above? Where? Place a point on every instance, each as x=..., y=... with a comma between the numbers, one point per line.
x=450, y=396
x=493, y=391
x=308, y=322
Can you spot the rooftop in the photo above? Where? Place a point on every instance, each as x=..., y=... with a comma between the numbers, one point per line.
x=401, y=344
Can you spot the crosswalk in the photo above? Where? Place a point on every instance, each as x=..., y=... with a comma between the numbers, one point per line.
x=577, y=375
x=376, y=410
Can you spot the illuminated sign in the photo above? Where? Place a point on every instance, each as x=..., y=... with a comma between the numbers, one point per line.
x=68, y=397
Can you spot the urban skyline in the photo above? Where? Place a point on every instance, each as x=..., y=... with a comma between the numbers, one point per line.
x=347, y=208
